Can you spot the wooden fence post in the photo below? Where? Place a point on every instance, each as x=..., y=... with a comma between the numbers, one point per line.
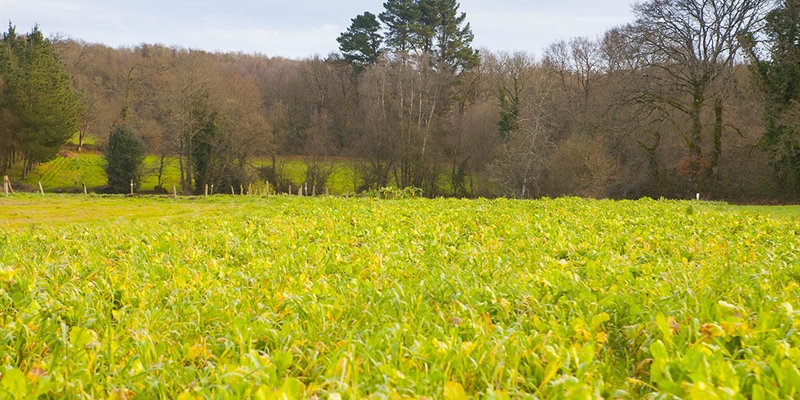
x=86, y=193
x=174, y=192
x=41, y=189
x=131, y=188
x=206, y=190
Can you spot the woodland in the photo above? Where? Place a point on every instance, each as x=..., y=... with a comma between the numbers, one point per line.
x=693, y=96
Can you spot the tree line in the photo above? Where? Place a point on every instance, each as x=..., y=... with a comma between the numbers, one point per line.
x=693, y=96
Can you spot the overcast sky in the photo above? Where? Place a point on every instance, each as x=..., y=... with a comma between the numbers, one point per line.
x=298, y=28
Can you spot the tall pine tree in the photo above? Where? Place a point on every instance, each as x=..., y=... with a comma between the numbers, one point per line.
x=361, y=43
x=454, y=37
x=400, y=17
x=39, y=107
x=432, y=29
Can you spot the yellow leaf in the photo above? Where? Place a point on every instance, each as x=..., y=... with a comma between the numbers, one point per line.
x=711, y=330
x=583, y=334
x=600, y=337
x=7, y=273
x=454, y=391
x=467, y=347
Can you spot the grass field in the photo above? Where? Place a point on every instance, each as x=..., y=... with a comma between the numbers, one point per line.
x=289, y=297
x=68, y=172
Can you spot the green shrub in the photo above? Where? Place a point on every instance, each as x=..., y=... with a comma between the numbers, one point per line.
x=125, y=156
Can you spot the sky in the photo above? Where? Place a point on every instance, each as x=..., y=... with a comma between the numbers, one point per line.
x=298, y=28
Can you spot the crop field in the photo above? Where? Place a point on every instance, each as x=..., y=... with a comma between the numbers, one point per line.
x=328, y=298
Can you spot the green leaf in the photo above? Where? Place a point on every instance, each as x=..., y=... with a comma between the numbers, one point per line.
x=291, y=389
x=758, y=393
x=599, y=319
x=282, y=361
x=658, y=350
x=14, y=382
x=663, y=326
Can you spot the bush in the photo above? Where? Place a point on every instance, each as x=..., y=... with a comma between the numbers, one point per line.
x=125, y=156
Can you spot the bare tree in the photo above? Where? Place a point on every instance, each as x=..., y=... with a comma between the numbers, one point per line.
x=688, y=49
x=525, y=124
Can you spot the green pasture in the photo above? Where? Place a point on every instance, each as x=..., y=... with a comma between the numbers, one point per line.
x=66, y=174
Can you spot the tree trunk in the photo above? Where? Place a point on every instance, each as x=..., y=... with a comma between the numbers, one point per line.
x=717, y=153
x=695, y=135
x=161, y=171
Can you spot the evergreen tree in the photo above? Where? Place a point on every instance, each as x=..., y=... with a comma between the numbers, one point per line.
x=400, y=18
x=431, y=28
x=124, y=157
x=361, y=43
x=508, y=125
x=779, y=76
x=37, y=95
x=453, y=37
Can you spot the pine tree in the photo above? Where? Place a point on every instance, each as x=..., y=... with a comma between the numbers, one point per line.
x=431, y=28
x=400, y=17
x=453, y=37
x=38, y=95
x=361, y=43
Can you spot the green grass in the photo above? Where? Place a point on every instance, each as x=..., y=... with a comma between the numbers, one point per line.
x=289, y=297
x=772, y=211
x=67, y=173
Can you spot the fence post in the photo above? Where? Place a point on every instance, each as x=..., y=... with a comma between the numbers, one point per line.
x=86, y=193
x=206, y=190
x=174, y=192
x=41, y=189
x=5, y=185
x=131, y=188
